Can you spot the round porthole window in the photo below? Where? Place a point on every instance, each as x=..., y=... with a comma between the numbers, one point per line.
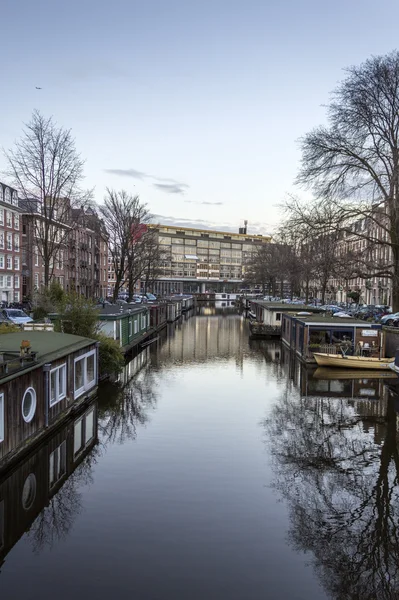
x=29, y=491
x=29, y=405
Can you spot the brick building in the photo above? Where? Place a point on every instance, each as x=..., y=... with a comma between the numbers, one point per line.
x=10, y=245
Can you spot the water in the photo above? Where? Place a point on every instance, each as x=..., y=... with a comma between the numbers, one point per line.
x=222, y=470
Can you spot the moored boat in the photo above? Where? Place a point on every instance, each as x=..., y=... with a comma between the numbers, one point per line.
x=336, y=373
x=352, y=362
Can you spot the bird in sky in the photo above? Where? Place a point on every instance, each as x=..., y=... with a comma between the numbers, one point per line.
x=38, y=88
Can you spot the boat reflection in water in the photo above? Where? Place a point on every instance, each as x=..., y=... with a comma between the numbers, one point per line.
x=334, y=438
x=40, y=495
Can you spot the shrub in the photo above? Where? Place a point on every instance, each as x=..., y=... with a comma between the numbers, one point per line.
x=9, y=328
x=111, y=360
x=77, y=315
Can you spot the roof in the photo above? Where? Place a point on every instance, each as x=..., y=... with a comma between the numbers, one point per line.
x=110, y=311
x=48, y=344
x=331, y=321
x=209, y=232
x=286, y=306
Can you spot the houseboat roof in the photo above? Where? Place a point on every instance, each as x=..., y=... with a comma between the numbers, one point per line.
x=112, y=312
x=46, y=346
x=282, y=306
x=46, y=343
x=331, y=321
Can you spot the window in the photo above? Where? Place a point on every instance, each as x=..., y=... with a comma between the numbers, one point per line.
x=1, y=261
x=1, y=281
x=135, y=327
x=57, y=464
x=1, y=239
x=16, y=281
x=9, y=262
x=16, y=243
x=57, y=384
x=278, y=316
x=85, y=375
x=16, y=222
x=142, y=321
x=37, y=280
x=1, y=417
x=61, y=260
x=9, y=241
x=9, y=281
x=29, y=405
x=1, y=216
x=89, y=258
x=36, y=253
x=16, y=297
x=130, y=328
x=16, y=263
x=8, y=218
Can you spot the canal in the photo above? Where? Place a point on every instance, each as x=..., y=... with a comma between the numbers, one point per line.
x=216, y=469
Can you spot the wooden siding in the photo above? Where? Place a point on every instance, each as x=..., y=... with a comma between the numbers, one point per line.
x=16, y=431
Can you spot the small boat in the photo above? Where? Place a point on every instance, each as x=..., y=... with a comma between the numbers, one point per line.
x=352, y=362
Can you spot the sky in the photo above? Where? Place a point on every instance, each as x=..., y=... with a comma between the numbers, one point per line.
x=197, y=107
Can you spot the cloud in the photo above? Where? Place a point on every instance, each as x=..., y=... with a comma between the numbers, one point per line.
x=205, y=203
x=256, y=228
x=127, y=173
x=171, y=188
x=165, y=184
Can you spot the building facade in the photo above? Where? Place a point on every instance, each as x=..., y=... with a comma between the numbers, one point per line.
x=10, y=245
x=201, y=260
x=79, y=255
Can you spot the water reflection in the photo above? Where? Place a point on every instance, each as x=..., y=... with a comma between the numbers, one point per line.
x=125, y=405
x=334, y=443
x=42, y=495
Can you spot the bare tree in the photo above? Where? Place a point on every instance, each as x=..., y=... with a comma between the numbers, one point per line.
x=47, y=170
x=125, y=219
x=355, y=160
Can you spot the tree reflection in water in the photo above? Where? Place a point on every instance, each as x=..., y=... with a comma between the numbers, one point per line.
x=121, y=409
x=341, y=488
x=56, y=519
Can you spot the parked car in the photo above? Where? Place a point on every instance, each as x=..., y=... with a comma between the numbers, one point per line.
x=17, y=316
x=389, y=319
x=341, y=313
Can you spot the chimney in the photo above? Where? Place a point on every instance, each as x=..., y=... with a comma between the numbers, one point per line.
x=243, y=230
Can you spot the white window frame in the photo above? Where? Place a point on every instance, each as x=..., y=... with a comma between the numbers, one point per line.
x=135, y=326
x=130, y=328
x=16, y=222
x=16, y=282
x=8, y=218
x=1, y=216
x=1, y=261
x=32, y=412
x=9, y=241
x=16, y=263
x=2, y=428
x=87, y=385
x=58, y=396
x=9, y=262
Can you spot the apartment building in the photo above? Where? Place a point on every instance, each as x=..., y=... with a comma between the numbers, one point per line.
x=199, y=260
x=10, y=245
x=378, y=256
x=88, y=254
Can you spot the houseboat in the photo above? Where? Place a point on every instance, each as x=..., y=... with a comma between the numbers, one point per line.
x=157, y=316
x=43, y=378
x=29, y=488
x=306, y=334
x=227, y=297
x=129, y=326
x=267, y=316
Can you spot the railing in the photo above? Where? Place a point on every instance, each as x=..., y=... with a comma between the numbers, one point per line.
x=13, y=361
x=325, y=349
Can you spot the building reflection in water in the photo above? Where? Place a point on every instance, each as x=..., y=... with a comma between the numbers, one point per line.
x=334, y=439
x=41, y=495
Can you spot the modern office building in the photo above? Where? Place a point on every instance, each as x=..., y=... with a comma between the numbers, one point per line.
x=202, y=260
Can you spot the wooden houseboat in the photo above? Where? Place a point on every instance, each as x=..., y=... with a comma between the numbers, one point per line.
x=268, y=316
x=157, y=316
x=29, y=488
x=332, y=335
x=43, y=378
